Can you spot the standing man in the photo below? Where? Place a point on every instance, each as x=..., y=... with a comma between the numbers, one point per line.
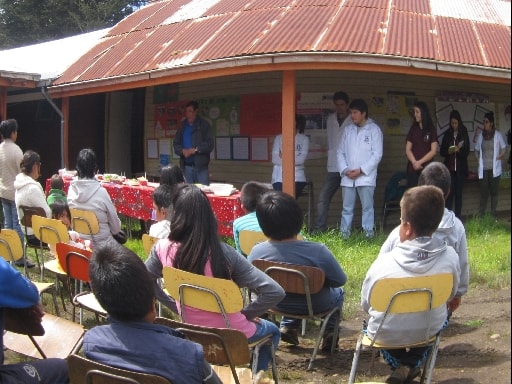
x=193, y=144
x=10, y=160
x=359, y=156
x=336, y=122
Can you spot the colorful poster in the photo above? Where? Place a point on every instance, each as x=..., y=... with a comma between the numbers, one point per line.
x=223, y=113
x=168, y=116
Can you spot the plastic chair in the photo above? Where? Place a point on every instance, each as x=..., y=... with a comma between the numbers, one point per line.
x=403, y=296
x=213, y=295
x=221, y=346
x=302, y=280
x=75, y=263
x=11, y=250
x=393, y=193
x=84, y=371
x=61, y=338
x=84, y=222
x=26, y=222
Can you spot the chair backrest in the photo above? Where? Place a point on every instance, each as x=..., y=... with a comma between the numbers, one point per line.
x=49, y=231
x=84, y=221
x=11, y=248
x=203, y=292
x=411, y=294
x=298, y=279
x=148, y=242
x=85, y=371
x=221, y=346
x=248, y=239
x=74, y=260
x=395, y=187
x=28, y=212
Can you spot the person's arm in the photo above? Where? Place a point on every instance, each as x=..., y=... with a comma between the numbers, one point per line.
x=37, y=198
x=301, y=156
x=114, y=223
x=341, y=154
x=445, y=144
x=463, y=151
x=334, y=274
x=155, y=267
x=433, y=151
x=502, y=146
x=267, y=292
x=376, y=151
x=209, y=375
x=206, y=144
x=408, y=152
x=177, y=143
x=276, y=151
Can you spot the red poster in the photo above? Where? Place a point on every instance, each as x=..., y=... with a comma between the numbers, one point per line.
x=260, y=114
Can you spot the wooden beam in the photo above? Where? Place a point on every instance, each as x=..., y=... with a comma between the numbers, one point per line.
x=288, y=132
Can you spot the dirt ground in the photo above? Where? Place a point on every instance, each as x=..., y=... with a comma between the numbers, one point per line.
x=475, y=348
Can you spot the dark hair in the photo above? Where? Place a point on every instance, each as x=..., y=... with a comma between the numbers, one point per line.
x=488, y=135
x=30, y=158
x=456, y=115
x=171, y=175
x=279, y=215
x=86, y=165
x=426, y=119
x=56, y=182
x=194, y=227
x=423, y=208
x=192, y=103
x=251, y=193
x=162, y=196
x=490, y=116
x=340, y=95
x=300, y=123
x=8, y=127
x=360, y=105
x=436, y=174
x=121, y=282
x=58, y=207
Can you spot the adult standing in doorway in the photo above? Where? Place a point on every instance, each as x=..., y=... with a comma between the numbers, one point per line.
x=455, y=149
x=10, y=160
x=336, y=122
x=489, y=149
x=193, y=144
x=359, y=156
x=421, y=143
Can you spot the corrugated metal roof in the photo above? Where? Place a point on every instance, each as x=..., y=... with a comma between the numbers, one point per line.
x=166, y=35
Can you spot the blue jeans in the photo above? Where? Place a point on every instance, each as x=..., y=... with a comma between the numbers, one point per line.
x=329, y=188
x=349, y=202
x=193, y=176
x=11, y=220
x=263, y=329
x=336, y=300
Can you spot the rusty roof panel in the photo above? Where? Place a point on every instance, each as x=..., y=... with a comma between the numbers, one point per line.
x=449, y=33
x=410, y=35
x=240, y=35
x=495, y=41
x=417, y=6
x=136, y=19
x=231, y=6
x=296, y=30
x=381, y=4
x=355, y=29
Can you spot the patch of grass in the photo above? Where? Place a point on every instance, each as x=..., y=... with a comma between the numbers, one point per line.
x=475, y=323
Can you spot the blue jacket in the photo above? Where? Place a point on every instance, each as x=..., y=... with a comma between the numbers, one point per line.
x=148, y=348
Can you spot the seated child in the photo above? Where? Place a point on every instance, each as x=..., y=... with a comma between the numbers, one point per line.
x=60, y=211
x=249, y=196
x=162, y=196
x=418, y=253
x=57, y=190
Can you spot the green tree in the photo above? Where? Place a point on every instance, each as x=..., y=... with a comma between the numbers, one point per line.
x=25, y=22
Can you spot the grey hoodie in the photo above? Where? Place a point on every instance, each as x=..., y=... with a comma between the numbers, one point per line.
x=419, y=257
x=88, y=194
x=453, y=232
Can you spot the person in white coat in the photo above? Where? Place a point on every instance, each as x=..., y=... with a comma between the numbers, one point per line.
x=301, y=154
x=489, y=149
x=29, y=192
x=359, y=156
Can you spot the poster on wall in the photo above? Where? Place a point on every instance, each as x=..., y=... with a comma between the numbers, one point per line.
x=168, y=116
x=399, y=110
x=223, y=114
x=259, y=149
x=472, y=110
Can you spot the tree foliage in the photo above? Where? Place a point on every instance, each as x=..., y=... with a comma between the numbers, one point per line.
x=25, y=22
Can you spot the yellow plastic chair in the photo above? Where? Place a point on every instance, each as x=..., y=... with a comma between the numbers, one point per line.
x=221, y=346
x=302, y=280
x=148, y=242
x=84, y=371
x=248, y=239
x=407, y=295
x=213, y=295
x=11, y=250
x=26, y=222
x=84, y=222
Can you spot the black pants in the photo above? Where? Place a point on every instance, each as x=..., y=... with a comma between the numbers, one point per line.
x=47, y=371
x=456, y=187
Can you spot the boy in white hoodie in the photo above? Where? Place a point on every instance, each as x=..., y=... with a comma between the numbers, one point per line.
x=450, y=228
x=418, y=253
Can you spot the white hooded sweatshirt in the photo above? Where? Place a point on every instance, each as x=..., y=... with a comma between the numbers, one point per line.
x=30, y=194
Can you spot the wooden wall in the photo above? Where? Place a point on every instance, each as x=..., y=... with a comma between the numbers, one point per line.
x=357, y=85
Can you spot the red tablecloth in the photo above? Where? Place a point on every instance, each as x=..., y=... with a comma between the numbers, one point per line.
x=136, y=202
